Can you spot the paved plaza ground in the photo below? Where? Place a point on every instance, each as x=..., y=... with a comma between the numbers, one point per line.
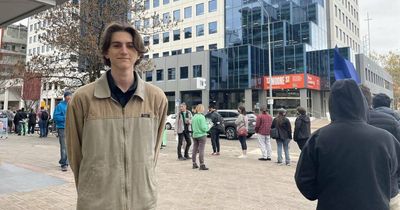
x=31, y=178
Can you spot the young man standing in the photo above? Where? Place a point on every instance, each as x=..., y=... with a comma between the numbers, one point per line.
x=59, y=118
x=183, y=128
x=114, y=129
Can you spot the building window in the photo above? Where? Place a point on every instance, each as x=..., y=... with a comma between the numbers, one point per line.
x=335, y=10
x=188, y=12
x=199, y=48
x=171, y=74
x=196, y=71
x=188, y=32
x=160, y=74
x=165, y=54
x=199, y=9
x=176, y=52
x=146, y=4
x=165, y=2
x=212, y=47
x=177, y=35
x=166, y=37
x=177, y=15
x=137, y=24
x=30, y=27
x=184, y=71
x=212, y=6
x=149, y=76
x=156, y=39
x=166, y=18
x=188, y=50
x=156, y=3
x=30, y=40
x=200, y=30
x=43, y=49
x=337, y=32
x=156, y=55
x=30, y=52
x=212, y=27
x=146, y=23
x=146, y=40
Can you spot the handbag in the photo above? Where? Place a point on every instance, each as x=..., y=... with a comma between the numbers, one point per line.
x=274, y=133
x=242, y=131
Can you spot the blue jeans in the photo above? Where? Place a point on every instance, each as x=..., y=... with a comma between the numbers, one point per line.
x=242, y=140
x=63, y=149
x=285, y=144
x=43, y=128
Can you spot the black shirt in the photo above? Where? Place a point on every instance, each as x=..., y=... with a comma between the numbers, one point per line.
x=116, y=92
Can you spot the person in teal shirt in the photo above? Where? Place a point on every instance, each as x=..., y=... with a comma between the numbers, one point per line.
x=199, y=128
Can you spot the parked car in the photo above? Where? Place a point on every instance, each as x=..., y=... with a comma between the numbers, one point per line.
x=170, y=123
x=230, y=116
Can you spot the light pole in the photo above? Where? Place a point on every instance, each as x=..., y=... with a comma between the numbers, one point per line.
x=271, y=111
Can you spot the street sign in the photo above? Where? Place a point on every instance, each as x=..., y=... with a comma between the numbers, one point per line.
x=270, y=101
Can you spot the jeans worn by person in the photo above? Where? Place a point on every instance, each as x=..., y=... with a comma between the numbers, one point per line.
x=242, y=140
x=184, y=135
x=199, y=145
x=285, y=144
x=43, y=128
x=63, y=149
x=215, y=140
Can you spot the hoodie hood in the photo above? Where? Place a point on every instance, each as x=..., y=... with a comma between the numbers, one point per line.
x=304, y=118
x=347, y=102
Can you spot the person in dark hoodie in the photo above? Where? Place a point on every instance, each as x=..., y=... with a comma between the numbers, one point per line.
x=302, y=128
x=349, y=164
x=381, y=119
x=381, y=103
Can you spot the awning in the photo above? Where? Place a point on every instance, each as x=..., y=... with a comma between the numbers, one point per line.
x=12, y=11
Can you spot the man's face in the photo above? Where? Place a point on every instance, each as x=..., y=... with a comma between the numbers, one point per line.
x=67, y=98
x=122, y=53
x=183, y=108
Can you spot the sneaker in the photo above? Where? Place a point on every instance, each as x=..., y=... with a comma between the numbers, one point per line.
x=279, y=163
x=64, y=168
x=242, y=156
x=214, y=153
x=287, y=164
x=188, y=157
x=203, y=167
x=195, y=166
x=268, y=159
x=181, y=158
x=217, y=153
x=262, y=159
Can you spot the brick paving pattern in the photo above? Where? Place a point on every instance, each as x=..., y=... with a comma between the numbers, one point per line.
x=231, y=183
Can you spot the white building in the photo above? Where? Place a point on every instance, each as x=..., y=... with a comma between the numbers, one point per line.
x=51, y=92
x=200, y=26
x=343, y=24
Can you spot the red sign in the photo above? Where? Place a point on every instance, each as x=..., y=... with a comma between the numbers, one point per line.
x=31, y=88
x=292, y=81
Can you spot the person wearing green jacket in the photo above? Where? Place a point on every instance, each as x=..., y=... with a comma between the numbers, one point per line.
x=199, y=128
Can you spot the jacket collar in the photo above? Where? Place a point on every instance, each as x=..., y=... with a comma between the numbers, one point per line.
x=102, y=90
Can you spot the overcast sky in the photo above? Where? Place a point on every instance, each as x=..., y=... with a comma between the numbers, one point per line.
x=384, y=26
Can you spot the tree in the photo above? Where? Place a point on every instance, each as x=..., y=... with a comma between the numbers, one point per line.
x=391, y=63
x=74, y=31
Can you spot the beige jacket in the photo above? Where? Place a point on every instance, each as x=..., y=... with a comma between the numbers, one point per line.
x=113, y=150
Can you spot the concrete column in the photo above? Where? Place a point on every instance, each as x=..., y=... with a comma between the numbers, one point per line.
x=6, y=99
x=52, y=99
x=177, y=96
x=205, y=98
x=248, y=99
x=303, y=98
x=316, y=108
x=262, y=97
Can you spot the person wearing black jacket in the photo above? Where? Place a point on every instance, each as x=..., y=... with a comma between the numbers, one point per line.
x=381, y=102
x=214, y=116
x=302, y=128
x=31, y=122
x=381, y=119
x=282, y=123
x=349, y=164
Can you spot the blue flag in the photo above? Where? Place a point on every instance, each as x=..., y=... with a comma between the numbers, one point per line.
x=343, y=68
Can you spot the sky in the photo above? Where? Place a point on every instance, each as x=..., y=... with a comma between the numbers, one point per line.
x=384, y=26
